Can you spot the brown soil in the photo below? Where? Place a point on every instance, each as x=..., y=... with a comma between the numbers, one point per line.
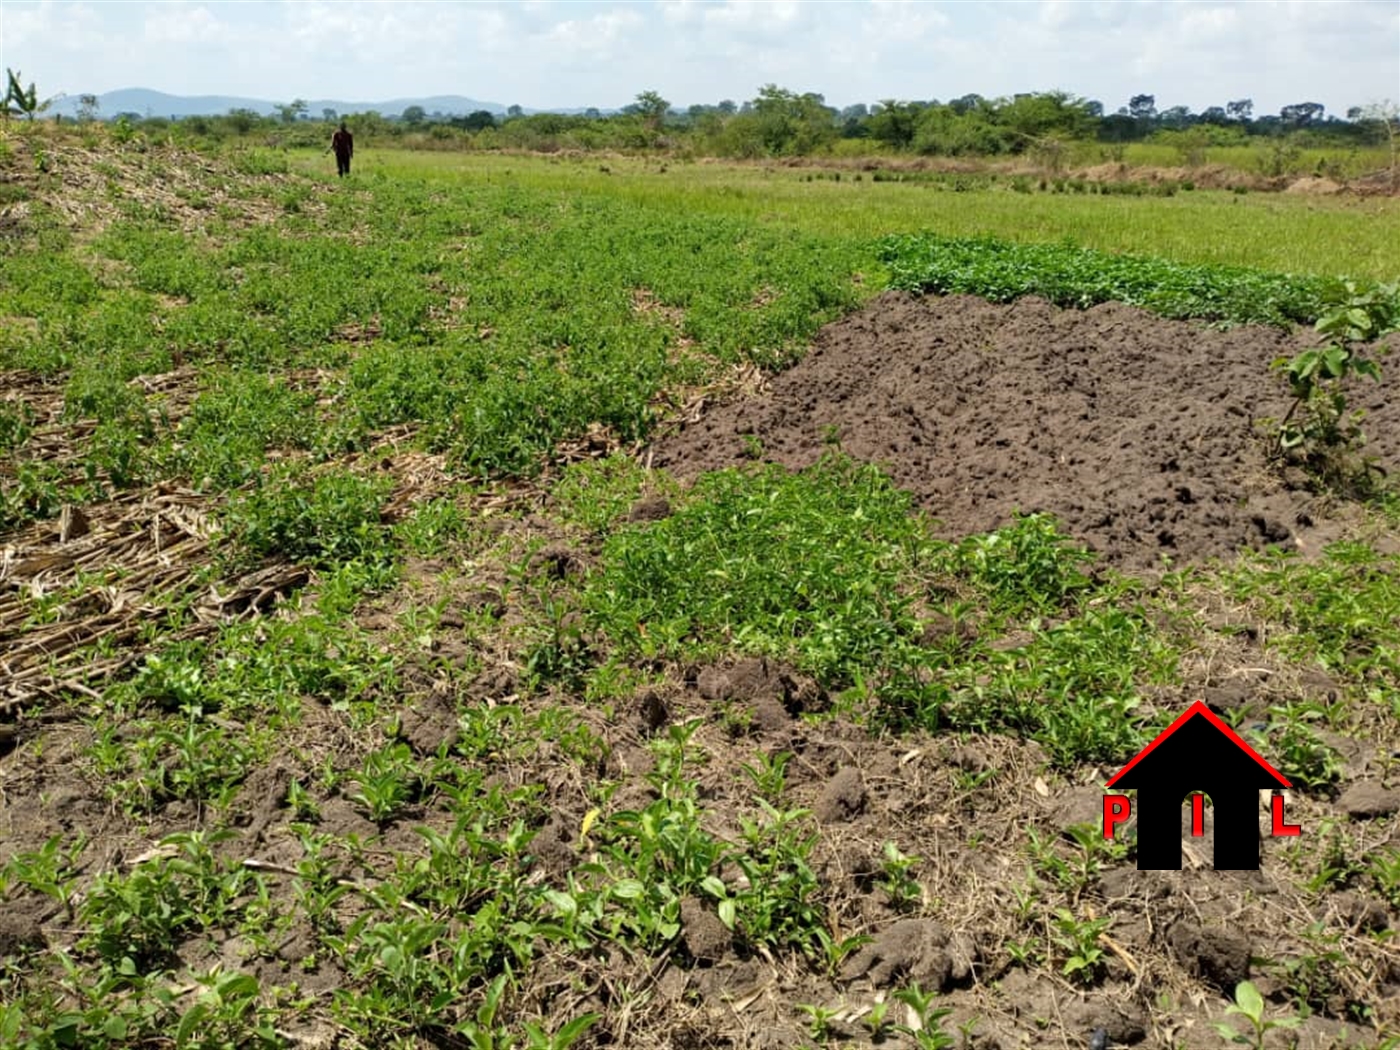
x=1140, y=434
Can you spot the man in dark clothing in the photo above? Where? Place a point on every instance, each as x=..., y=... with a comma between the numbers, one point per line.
x=343, y=143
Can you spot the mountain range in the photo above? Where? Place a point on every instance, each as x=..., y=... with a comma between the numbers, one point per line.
x=150, y=103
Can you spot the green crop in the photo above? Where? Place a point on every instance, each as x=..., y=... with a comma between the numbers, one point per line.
x=1072, y=276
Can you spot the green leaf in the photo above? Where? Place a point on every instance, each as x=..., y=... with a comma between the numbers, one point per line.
x=714, y=886
x=1229, y=1032
x=193, y=1018
x=728, y=912
x=628, y=889
x=571, y=1030
x=1249, y=999
x=238, y=986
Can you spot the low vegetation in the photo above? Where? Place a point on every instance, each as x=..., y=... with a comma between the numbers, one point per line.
x=367, y=685
x=1068, y=275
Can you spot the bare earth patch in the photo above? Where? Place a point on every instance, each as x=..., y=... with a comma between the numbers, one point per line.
x=1139, y=433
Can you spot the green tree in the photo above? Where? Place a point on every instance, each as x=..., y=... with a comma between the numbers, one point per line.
x=652, y=108
x=894, y=123
x=786, y=122
x=292, y=111
x=242, y=120
x=1035, y=117
x=1142, y=107
x=413, y=116
x=947, y=131
x=478, y=120
x=1301, y=114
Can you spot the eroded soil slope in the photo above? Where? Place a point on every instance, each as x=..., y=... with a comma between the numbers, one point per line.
x=1140, y=434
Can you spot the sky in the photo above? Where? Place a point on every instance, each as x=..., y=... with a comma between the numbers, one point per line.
x=548, y=53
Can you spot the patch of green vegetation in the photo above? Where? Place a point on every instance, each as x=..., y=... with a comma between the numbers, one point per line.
x=1340, y=612
x=828, y=568
x=323, y=519
x=808, y=566
x=1071, y=276
x=595, y=494
x=239, y=415
x=1306, y=235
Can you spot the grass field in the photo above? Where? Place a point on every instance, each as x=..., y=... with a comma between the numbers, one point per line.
x=1326, y=236
x=351, y=693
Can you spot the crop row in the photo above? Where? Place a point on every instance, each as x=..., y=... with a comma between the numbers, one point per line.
x=1071, y=276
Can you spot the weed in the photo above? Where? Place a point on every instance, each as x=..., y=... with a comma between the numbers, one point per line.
x=895, y=879
x=769, y=775
x=1304, y=757
x=1249, y=1004
x=387, y=783
x=1384, y=871
x=928, y=1032
x=144, y=915
x=1079, y=946
x=50, y=870
x=1028, y=568
x=822, y=1027
x=795, y=565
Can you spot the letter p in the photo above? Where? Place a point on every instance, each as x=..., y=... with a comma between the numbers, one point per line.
x=1116, y=809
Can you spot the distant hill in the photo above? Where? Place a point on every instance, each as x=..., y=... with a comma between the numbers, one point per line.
x=158, y=104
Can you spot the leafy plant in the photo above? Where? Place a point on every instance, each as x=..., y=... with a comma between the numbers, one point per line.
x=1249, y=1004
x=822, y=1027
x=895, y=878
x=1317, y=426
x=21, y=100
x=799, y=565
x=387, y=782
x=50, y=870
x=928, y=1033
x=324, y=519
x=1078, y=941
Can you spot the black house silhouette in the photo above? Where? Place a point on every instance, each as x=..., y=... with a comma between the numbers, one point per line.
x=1198, y=752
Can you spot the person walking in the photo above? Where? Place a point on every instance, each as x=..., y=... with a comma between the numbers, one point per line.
x=343, y=143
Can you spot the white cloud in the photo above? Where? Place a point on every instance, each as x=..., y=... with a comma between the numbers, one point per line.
x=908, y=21
x=602, y=52
x=183, y=24
x=596, y=35
x=35, y=28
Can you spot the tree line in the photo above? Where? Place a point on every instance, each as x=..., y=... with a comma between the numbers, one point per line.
x=781, y=122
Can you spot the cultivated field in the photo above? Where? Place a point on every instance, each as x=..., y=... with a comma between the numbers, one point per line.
x=528, y=602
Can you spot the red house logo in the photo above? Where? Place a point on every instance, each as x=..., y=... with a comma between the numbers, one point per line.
x=1196, y=753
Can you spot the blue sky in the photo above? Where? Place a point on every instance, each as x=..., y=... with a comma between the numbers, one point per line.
x=540, y=53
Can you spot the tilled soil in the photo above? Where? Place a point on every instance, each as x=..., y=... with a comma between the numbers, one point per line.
x=1142, y=435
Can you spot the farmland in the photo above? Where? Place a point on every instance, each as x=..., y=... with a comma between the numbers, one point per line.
x=515, y=601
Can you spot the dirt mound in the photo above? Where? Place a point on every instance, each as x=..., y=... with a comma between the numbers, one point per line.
x=1140, y=434
x=1315, y=187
